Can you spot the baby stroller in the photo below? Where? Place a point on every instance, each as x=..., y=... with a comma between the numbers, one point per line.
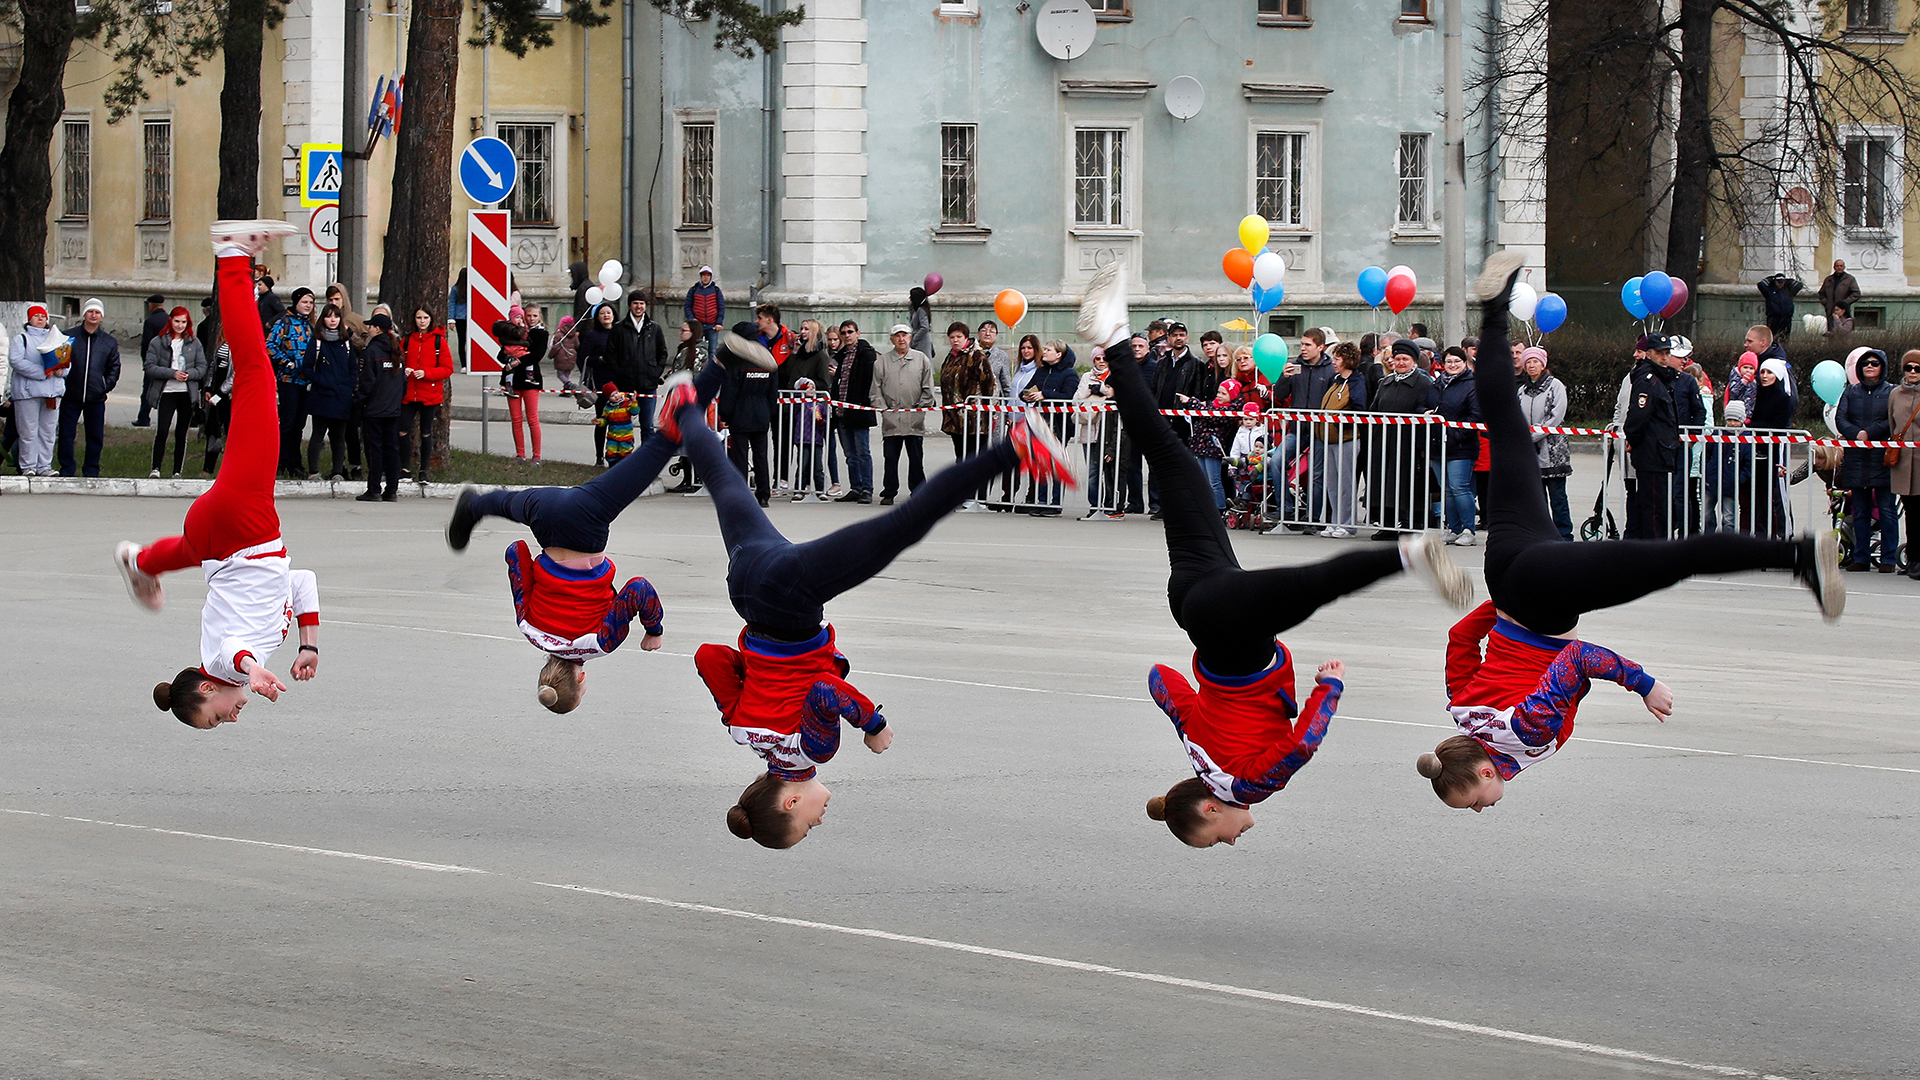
x=1249, y=476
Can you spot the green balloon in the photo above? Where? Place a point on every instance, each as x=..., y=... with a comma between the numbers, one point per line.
x=1270, y=355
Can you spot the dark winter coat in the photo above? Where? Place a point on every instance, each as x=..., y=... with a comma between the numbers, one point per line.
x=1414, y=394
x=853, y=384
x=1459, y=400
x=806, y=363
x=526, y=374
x=966, y=373
x=1839, y=290
x=1652, y=424
x=1772, y=407
x=1688, y=406
x=335, y=371
x=577, y=272
x=636, y=357
x=1778, y=292
x=592, y=356
x=382, y=380
x=748, y=400
x=95, y=360
x=1863, y=415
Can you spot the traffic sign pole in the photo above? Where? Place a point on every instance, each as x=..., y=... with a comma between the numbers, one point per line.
x=487, y=289
x=352, y=237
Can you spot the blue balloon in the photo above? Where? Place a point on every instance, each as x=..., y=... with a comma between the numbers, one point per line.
x=1550, y=314
x=1655, y=290
x=1373, y=286
x=1630, y=298
x=1265, y=300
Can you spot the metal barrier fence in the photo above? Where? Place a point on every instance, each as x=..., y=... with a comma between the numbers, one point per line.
x=1727, y=480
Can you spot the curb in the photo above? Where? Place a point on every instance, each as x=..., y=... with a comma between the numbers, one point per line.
x=189, y=489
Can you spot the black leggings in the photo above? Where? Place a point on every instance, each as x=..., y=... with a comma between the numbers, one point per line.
x=333, y=431
x=781, y=588
x=1536, y=578
x=175, y=411
x=1231, y=615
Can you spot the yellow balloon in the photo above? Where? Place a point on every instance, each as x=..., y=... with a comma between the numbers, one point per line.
x=1253, y=233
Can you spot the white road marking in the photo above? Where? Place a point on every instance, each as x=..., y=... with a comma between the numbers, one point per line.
x=1438, y=1023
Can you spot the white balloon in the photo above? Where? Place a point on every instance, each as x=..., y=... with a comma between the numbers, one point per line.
x=1268, y=269
x=594, y=295
x=1525, y=299
x=1403, y=268
x=611, y=292
x=610, y=271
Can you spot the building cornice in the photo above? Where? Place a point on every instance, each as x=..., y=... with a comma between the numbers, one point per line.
x=1105, y=88
x=1284, y=93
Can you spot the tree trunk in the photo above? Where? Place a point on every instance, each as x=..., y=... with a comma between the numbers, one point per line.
x=26, y=172
x=242, y=45
x=413, y=267
x=1694, y=156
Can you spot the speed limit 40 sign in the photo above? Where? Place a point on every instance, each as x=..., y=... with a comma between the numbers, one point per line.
x=324, y=227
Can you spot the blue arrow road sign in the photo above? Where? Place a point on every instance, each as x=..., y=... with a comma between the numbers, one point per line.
x=488, y=170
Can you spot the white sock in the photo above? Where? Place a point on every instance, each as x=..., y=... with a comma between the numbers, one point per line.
x=1406, y=561
x=230, y=251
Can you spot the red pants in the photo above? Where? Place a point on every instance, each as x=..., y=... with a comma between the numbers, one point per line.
x=532, y=411
x=237, y=512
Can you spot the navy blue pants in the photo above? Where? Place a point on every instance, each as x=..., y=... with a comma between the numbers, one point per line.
x=781, y=588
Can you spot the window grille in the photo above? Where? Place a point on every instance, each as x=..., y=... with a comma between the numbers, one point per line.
x=1864, y=195
x=1869, y=14
x=1098, y=190
x=696, y=174
x=959, y=198
x=77, y=146
x=532, y=199
x=1278, y=179
x=1414, y=157
x=158, y=188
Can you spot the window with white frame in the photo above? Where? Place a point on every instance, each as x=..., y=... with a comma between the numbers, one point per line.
x=1864, y=182
x=1415, y=173
x=157, y=189
x=1279, y=177
x=1413, y=11
x=959, y=197
x=1111, y=10
x=965, y=9
x=76, y=150
x=1283, y=11
x=1099, y=167
x=532, y=199
x=696, y=174
x=1869, y=14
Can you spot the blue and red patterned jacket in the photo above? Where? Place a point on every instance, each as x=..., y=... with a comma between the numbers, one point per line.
x=577, y=614
x=785, y=701
x=1519, y=698
x=1240, y=732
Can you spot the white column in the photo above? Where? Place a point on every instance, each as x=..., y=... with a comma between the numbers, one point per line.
x=823, y=212
x=315, y=33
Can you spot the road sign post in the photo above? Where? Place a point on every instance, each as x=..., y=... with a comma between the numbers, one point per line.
x=322, y=173
x=323, y=228
x=487, y=291
x=488, y=170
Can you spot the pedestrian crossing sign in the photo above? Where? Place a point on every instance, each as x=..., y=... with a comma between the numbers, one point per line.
x=322, y=167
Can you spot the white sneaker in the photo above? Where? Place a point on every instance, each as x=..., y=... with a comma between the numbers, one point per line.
x=248, y=238
x=1425, y=558
x=798, y=496
x=154, y=475
x=1500, y=266
x=1103, y=308
x=817, y=497
x=1467, y=539
x=145, y=590
x=1336, y=532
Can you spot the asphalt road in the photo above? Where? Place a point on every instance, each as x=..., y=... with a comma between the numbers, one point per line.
x=408, y=869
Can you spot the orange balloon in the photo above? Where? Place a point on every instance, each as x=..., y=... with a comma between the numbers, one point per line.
x=1238, y=265
x=1010, y=306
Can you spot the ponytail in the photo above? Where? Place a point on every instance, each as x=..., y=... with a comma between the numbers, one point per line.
x=1454, y=765
x=1182, y=808
x=759, y=818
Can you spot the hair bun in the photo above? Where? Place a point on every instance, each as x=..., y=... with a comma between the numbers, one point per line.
x=1429, y=765
x=738, y=823
x=549, y=696
x=1157, y=808
x=163, y=696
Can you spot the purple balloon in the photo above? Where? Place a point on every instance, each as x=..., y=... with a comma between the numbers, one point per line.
x=933, y=283
x=1679, y=300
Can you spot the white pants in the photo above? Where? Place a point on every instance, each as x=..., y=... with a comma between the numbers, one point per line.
x=37, y=425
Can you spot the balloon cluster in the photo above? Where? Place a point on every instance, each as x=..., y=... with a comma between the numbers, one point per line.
x=1394, y=288
x=609, y=288
x=1546, y=311
x=1654, y=294
x=1255, y=269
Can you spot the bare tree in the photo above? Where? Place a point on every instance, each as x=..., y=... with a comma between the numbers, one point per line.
x=26, y=170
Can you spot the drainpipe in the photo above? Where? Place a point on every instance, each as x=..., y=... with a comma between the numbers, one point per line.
x=586, y=149
x=768, y=209
x=626, y=134
x=1495, y=166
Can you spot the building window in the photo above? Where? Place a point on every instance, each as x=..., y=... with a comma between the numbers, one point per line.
x=1283, y=12
x=1415, y=154
x=1098, y=195
x=157, y=204
x=1864, y=194
x=77, y=190
x=1111, y=10
x=696, y=174
x=962, y=9
x=1279, y=171
x=532, y=199
x=1869, y=14
x=959, y=201
x=1413, y=11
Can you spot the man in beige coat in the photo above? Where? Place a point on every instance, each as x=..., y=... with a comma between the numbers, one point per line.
x=903, y=379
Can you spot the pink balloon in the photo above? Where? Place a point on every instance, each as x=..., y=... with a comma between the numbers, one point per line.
x=933, y=283
x=1679, y=300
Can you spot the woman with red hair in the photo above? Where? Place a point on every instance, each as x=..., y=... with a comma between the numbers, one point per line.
x=175, y=365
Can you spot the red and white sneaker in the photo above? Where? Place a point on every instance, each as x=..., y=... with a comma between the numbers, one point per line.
x=144, y=588
x=1041, y=454
x=1102, y=319
x=676, y=393
x=248, y=238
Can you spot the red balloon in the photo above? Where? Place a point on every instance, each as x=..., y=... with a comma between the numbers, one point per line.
x=1238, y=265
x=932, y=283
x=1399, y=293
x=1679, y=300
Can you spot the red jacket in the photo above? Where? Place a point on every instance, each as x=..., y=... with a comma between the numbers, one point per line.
x=1244, y=727
x=428, y=352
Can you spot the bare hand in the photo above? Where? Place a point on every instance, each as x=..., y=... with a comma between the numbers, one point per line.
x=1660, y=701
x=264, y=682
x=1332, y=669
x=1290, y=370
x=179, y=376
x=306, y=666
x=651, y=642
x=880, y=740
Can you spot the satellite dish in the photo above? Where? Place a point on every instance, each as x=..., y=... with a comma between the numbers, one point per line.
x=1065, y=28
x=1185, y=96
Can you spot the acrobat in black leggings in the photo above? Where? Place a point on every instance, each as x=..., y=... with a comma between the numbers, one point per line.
x=1231, y=615
x=1545, y=583
x=781, y=588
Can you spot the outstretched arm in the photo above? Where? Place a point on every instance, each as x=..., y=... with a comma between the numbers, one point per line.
x=1308, y=730
x=636, y=600
x=1464, y=655
x=306, y=614
x=1541, y=718
x=829, y=702
x=520, y=577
